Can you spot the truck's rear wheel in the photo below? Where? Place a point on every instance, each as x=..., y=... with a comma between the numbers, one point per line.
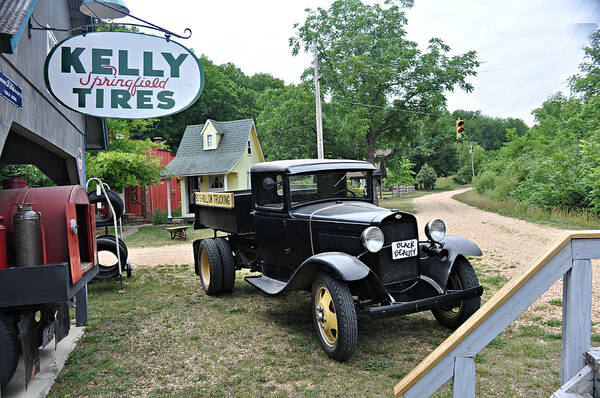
x=9, y=352
x=462, y=277
x=228, y=265
x=334, y=317
x=211, y=267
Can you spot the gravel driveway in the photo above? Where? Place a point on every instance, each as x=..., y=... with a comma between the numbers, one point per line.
x=504, y=241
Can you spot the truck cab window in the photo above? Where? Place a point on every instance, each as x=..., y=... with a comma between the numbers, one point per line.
x=270, y=191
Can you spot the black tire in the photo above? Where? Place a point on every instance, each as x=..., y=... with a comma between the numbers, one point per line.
x=9, y=352
x=122, y=244
x=331, y=297
x=118, y=205
x=228, y=265
x=462, y=277
x=111, y=271
x=210, y=267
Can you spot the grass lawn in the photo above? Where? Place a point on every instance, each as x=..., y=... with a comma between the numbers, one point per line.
x=164, y=337
x=555, y=218
x=156, y=235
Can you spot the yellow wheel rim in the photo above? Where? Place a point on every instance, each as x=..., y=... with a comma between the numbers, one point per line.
x=205, y=268
x=326, y=316
x=454, y=312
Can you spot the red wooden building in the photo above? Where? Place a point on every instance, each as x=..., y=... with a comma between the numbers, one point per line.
x=141, y=203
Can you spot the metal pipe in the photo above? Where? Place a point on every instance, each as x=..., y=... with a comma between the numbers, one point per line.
x=112, y=210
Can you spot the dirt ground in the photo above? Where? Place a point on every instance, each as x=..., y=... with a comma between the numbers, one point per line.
x=504, y=241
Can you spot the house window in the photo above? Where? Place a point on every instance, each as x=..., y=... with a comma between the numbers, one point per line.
x=215, y=183
x=209, y=141
x=249, y=148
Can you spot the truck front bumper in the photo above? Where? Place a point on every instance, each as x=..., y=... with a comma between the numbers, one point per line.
x=409, y=307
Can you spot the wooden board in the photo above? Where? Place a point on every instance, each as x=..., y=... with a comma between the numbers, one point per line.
x=489, y=308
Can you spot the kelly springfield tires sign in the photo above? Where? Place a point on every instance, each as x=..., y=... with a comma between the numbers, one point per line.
x=123, y=75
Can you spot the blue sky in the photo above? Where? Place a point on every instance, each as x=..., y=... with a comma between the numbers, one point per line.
x=527, y=49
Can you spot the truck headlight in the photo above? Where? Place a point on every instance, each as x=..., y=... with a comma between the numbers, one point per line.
x=435, y=230
x=372, y=239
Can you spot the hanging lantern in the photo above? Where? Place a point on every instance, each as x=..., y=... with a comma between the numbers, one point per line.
x=104, y=9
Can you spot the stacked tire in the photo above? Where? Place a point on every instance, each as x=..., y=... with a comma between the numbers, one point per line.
x=110, y=269
x=104, y=217
x=216, y=266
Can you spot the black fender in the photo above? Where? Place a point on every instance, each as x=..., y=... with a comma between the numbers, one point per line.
x=342, y=266
x=436, y=268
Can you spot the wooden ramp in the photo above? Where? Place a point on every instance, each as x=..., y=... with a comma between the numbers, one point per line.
x=567, y=255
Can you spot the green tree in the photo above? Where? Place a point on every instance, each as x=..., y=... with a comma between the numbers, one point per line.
x=126, y=163
x=35, y=177
x=287, y=126
x=555, y=164
x=426, y=177
x=228, y=94
x=435, y=144
x=400, y=173
x=588, y=83
x=367, y=61
x=487, y=131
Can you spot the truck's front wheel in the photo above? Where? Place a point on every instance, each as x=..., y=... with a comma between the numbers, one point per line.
x=334, y=317
x=211, y=267
x=462, y=277
x=9, y=352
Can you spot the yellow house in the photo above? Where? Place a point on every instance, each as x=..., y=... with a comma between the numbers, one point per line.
x=215, y=156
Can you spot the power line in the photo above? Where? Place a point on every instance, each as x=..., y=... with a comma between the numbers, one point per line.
x=393, y=110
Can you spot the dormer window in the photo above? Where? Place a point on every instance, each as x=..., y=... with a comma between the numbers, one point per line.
x=210, y=139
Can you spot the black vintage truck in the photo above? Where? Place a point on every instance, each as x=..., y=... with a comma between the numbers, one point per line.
x=315, y=225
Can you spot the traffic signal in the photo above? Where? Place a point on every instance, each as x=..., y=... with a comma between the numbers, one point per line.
x=460, y=131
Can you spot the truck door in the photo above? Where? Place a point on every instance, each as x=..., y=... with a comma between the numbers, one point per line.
x=270, y=224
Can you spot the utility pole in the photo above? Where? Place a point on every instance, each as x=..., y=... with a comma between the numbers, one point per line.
x=471, y=150
x=315, y=51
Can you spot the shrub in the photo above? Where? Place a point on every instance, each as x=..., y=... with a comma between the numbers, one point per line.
x=159, y=217
x=176, y=213
x=485, y=181
x=504, y=186
x=464, y=175
x=426, y=177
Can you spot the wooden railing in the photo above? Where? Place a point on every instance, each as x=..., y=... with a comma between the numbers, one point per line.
x=569, y=256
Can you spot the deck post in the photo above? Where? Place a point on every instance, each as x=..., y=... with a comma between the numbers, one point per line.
x=576, y=318
x=169, y=216
x=463, y=385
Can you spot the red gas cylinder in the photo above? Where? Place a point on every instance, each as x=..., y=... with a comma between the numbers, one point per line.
x=3, y=260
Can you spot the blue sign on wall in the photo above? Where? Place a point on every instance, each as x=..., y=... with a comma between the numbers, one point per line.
x=10, y=91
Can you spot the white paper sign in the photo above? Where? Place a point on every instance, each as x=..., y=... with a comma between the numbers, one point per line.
x=404, y=249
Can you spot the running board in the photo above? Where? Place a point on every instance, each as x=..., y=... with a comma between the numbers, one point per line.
x=266, y=284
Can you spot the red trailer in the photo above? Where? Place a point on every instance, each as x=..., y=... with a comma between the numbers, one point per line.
x=51, y=256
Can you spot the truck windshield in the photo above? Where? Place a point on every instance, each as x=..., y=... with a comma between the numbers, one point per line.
x=329, y=185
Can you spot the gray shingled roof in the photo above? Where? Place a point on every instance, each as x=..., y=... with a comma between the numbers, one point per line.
x=12, y=15
x=192, y=159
